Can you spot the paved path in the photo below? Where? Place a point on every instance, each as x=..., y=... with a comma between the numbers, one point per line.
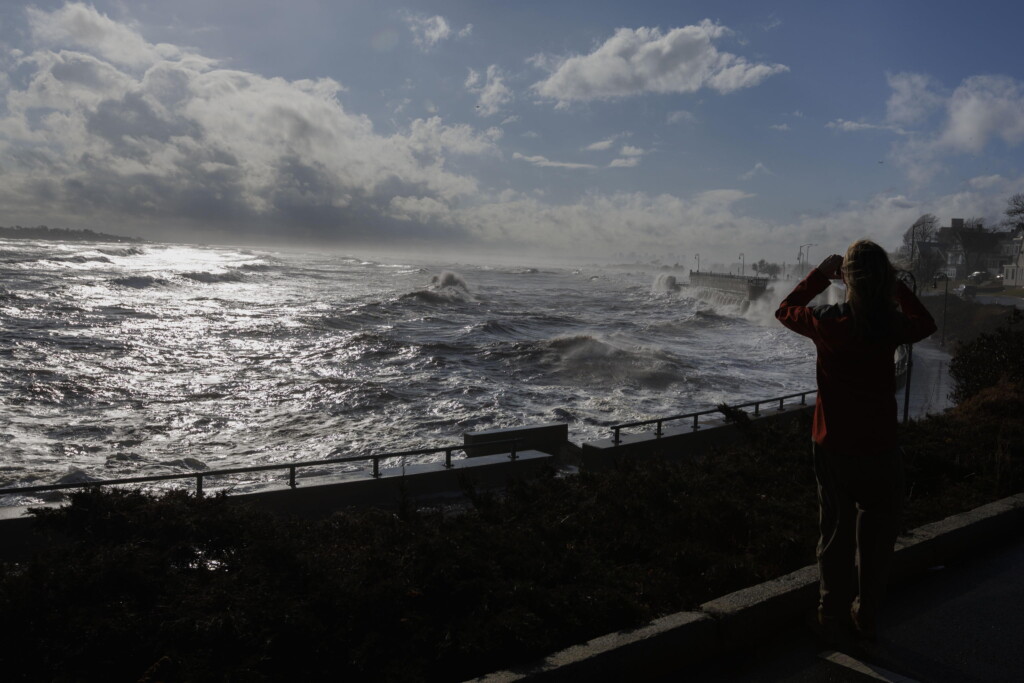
x=963, y=622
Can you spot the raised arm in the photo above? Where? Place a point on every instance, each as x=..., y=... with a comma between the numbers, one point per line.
x=793, y=311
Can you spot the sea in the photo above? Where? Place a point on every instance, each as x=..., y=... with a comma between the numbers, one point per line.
x=124, y=360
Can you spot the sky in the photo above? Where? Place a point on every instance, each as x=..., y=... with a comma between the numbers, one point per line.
x=577, y=129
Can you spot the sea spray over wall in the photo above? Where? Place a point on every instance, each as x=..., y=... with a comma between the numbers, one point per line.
x=666, y=284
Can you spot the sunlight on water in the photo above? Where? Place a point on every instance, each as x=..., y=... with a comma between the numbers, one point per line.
x=123, y=360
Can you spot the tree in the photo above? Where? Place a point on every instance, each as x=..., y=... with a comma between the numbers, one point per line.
x=1015, y=211
x=918, y=251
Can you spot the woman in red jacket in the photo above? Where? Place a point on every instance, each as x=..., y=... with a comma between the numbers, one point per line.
x=857, y=462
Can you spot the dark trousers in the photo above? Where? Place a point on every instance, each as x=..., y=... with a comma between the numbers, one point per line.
x=860, y=500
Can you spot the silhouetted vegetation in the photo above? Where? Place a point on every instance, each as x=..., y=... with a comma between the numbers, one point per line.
x=987, y=360
x=174, y=588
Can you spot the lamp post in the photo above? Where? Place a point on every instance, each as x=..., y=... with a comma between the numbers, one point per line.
x=945, y=298
x=806, y=256
x=743, y=265
x=697, y=256
x=907, y=275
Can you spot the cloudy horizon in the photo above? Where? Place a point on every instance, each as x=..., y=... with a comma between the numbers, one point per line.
x=597, y=130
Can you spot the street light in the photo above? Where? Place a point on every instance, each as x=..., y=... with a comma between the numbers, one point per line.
x=697, y=256
x=806, y=255
x=743, y=265
x=945, y=298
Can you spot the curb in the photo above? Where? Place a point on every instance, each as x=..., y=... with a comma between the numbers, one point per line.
x=737, y=620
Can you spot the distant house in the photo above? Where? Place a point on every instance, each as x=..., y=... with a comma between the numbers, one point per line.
x=972, y=248
x=1013, y=272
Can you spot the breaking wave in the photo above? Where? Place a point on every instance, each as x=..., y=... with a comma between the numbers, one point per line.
x=214, y=278
x=125, y=251
x=139, y=282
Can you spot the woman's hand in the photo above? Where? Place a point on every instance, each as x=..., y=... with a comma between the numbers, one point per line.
x=831, y=267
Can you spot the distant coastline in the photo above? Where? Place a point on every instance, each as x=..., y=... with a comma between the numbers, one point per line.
x=42, y=232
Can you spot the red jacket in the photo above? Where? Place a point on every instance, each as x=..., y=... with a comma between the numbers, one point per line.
x=856, y=410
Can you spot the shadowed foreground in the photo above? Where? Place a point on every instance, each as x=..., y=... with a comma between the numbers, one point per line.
x=210, y=590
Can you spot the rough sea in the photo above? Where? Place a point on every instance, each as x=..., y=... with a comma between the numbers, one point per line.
x=129, y=360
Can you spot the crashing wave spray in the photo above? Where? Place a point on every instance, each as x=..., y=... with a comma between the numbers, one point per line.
x=449, y=279
x=666, y=284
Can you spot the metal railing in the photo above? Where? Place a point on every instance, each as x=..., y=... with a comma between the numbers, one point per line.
x=291, y=467
x=616, y=429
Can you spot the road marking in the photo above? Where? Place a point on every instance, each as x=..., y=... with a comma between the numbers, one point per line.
x=872, y=670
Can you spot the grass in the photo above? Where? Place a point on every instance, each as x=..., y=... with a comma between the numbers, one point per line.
x=173, y=588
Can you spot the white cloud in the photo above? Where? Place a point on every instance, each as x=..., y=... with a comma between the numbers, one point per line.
x=624, y=162
x=984, y=108
x=981, y=111
x=986, y=182
x=780, y=126
x=855, y=126
x=428, y=32
x=644, y=60
x=80, y=26
x=681, y=116
x=914, y=98
x=120, y=128
x=759, y=169
x=544, y=162
x=492, y=92
x=601, y=145
x=630, y=151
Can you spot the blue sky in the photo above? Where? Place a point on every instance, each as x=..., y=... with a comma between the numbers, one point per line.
x=583, y=129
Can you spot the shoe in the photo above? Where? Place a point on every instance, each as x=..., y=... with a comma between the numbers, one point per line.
x=864, y=630
x=831, y=631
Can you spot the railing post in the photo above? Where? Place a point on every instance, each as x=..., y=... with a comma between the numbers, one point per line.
x=199, y=486
x=291, y=476
x=376, y=468
x=657, y=432
x=513, y=455
x=757, y=409
x=448, y=458
x=696, y=420
x=615, y=438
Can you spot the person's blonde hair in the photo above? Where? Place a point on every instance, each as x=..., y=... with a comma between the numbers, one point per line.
x=870, y=287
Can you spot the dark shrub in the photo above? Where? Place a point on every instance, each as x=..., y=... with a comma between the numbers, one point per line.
x=987, y=360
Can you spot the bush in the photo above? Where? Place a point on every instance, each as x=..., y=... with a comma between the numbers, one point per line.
x=989, y=359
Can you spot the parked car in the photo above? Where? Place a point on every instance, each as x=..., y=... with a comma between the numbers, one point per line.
x=977, y=277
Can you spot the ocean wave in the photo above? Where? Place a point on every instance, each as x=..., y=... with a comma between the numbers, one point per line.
x=449, y=280
x=592, y=361
x=497, y=328
x=433, y=296
x=256, y=267
x=213, y=278
x=123, y=251
x=139, y=282
x=78, y=258
x=666, y=284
